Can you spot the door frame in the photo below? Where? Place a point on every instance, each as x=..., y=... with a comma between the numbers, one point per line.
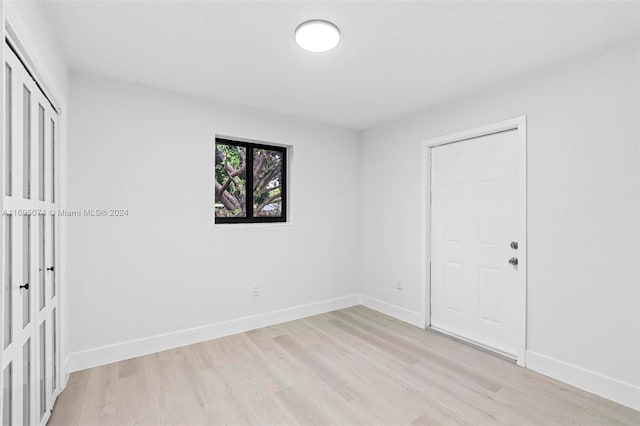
x=519, y=124
x=22, y=47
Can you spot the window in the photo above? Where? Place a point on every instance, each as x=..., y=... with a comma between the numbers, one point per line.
x=250, y=182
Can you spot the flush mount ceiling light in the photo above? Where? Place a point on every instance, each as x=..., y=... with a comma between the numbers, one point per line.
x=317, y=35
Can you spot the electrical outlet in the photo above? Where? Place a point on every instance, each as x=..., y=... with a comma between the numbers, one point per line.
x=255, y=291
x=399, y=285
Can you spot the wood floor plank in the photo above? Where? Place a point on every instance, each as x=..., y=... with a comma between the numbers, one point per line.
x=376, y=341
x=303, y=409
x=320, y=369
x=101, y=410
x=68, y=407
x=349, y=367
x=423, y=353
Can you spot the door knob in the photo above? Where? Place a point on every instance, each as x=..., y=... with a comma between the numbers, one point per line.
x=514, y=245
x=50, y=268
x=513, y=261
x=25, y=286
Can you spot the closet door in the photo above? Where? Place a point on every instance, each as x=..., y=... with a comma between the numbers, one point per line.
x=30, y=300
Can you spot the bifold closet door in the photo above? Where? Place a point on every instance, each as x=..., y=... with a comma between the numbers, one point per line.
x=30, y=364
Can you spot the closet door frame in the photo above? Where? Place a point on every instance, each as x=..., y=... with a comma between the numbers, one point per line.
x=47, y=207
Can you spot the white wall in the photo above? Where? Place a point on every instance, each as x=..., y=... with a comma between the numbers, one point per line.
x=166, y=267
x=583, y=212
x=29, y=20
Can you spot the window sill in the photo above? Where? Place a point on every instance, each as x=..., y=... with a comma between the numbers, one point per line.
x=220, y=226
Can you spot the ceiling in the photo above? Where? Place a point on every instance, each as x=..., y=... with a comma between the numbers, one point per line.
x=394, y=58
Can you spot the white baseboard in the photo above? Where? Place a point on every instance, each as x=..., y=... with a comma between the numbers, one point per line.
x=606, y=387
x=395, y=311
x=148, y=345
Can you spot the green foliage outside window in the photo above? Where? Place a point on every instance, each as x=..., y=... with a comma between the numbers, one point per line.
x=232, y=181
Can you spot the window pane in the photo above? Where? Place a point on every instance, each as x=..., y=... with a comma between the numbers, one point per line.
x=43, y=372
x=7, y=400
x=53, y=161
x=26, y=270
x=54, y=350
x=8, y=151
x=8, y=272
x=26, y=143
x=26, y=382
x=41, y=266
x=41, y=153
x=53, y=256
x=231, y=181
x=268, y=175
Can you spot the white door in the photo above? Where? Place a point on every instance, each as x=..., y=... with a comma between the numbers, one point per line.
x=476, y=292
x=29, y=299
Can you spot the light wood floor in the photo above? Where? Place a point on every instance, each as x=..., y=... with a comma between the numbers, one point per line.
x=353, y=366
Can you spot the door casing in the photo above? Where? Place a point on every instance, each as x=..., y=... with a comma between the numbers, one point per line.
x=519, y=124
x=22, y=53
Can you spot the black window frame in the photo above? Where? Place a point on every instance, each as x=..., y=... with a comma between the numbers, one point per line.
x=249, y=218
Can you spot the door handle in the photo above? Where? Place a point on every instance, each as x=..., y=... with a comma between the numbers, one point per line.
x=25, y=286
x=50, y=268
x=514, y=245
x=513, y=261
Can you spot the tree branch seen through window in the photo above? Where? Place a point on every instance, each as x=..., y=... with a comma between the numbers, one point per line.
x=250, y=182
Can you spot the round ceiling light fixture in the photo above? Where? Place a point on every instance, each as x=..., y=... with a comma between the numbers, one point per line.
x=317, y=35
